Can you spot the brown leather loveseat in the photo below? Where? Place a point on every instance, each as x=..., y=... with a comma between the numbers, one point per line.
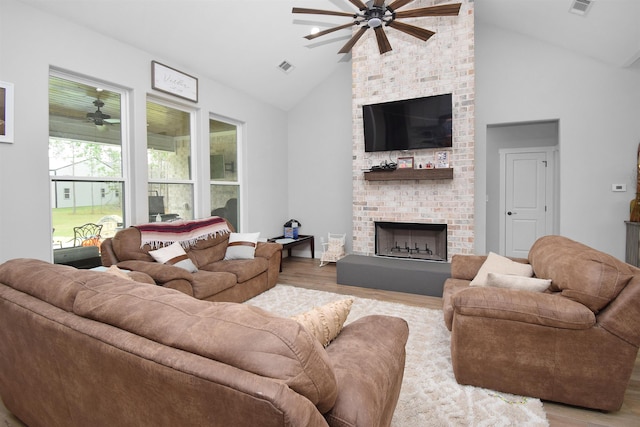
x=574, y=343
x=217, y=279
x=87, y=348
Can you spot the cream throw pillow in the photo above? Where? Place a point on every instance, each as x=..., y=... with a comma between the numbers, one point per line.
x=242, y=246
x=532, y=284
x=174, y=255
x=498, y=264
x=325, y=323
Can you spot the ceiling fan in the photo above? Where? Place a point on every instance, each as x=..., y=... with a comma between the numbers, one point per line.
x=375, y=13
x=99, y=118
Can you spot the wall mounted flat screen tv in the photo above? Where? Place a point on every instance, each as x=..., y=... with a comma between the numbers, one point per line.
x=408, y=124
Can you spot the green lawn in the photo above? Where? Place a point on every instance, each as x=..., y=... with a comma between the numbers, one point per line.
x=64, y=219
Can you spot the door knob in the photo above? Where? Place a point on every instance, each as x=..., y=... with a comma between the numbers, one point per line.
x=511, y=213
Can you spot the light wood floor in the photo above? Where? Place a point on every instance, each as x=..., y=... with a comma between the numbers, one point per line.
x=305, y=272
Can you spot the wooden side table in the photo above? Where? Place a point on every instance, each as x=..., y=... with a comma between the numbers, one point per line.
x=288, y=244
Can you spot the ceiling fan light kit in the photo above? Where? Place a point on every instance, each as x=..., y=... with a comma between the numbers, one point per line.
x=376, y=14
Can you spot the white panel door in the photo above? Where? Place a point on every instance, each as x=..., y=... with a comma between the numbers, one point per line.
x=525, y=201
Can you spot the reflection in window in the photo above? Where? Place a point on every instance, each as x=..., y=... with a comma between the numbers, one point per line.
x=85, y=156
x=223, y=158
x=169, y=163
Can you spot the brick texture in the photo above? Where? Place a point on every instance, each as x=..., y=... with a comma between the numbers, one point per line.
x=443, y=64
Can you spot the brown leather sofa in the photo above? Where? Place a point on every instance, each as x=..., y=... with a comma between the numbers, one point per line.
x=574, y=343
x=88, y=348
x=216, y=279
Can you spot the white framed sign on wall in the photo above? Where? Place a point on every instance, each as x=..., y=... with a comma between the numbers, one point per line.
x=173, y=82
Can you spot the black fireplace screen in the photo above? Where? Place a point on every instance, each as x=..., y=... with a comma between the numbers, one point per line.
x=412, y=240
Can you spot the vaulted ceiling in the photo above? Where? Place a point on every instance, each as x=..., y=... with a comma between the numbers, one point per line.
x=248, y=39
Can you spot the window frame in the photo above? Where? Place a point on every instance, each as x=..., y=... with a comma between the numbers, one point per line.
x=125, y=142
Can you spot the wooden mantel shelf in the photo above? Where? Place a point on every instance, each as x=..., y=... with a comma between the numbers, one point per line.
x=409, y=174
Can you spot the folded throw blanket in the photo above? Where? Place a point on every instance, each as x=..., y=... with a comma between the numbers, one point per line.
x=187, y=232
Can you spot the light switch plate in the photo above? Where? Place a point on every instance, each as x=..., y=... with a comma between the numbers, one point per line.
x=618, y=187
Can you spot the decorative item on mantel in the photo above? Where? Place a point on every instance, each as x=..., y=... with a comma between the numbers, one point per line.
x=635, y=203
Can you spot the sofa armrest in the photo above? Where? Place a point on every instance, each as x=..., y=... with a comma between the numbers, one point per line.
x=368, y=359
x=267, y=249
x=107, y=254
x=161, y=273
x=466, y=267
x=544, y=309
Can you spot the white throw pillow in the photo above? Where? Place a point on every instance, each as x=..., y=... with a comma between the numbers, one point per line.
x=174, y=254
x=242, y=246
x=532, y=284
x=498, y=264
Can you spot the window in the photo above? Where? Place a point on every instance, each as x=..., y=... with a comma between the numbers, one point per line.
x=223, y=171
x=169, y=162
x=85, y=155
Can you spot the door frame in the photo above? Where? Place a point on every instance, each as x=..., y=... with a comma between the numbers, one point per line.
x=550, y=188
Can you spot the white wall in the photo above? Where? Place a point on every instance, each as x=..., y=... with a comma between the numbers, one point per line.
x=320, y=179
x=519, y=79
x=31, y=42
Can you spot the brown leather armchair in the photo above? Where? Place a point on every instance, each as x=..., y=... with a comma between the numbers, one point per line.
x=575, y=343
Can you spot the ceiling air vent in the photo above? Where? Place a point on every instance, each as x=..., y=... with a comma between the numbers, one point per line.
x=286, y=67
x=580, y=7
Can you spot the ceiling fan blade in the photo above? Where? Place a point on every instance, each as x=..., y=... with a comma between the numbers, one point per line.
x=347, y=47
x=442, y=10
x=398, y=4
x=322, y=12
x=418, y=32
x=378, y=3
x=359, y=4
x=383, y=42
x=330, y=30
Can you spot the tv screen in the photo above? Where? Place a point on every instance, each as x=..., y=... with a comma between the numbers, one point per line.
x=408, y=124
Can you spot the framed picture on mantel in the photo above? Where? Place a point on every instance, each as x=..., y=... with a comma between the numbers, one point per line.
x=442, y=159
x=405, y=162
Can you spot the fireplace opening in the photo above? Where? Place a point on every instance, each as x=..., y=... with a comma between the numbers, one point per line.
x=411, y=240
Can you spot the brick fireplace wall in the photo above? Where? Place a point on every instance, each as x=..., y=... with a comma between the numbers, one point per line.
x=443, y=64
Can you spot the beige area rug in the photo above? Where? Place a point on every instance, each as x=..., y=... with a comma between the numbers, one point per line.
x=430, y=395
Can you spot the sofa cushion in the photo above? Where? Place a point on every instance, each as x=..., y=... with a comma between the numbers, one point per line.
x=243, y=269
x=512, y=281
x=207, y=283
x=498, y=264
x=53, y=283
x=238, y=335
x=325, y=322
x=581, y=273
x=209, y=250
x=126, y=246
x=544, y=309
x=241, y=246
x=174, y=254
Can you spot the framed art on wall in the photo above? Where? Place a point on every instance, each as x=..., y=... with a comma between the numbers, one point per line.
x=173, y=82
x=6, y=112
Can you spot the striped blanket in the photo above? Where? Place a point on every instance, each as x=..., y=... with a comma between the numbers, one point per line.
x=187, y=232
